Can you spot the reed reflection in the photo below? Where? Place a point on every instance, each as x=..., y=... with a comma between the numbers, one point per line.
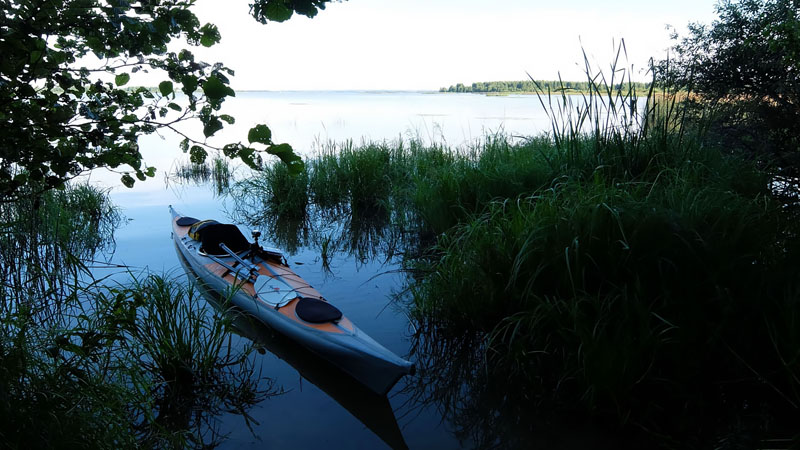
x=487, y=402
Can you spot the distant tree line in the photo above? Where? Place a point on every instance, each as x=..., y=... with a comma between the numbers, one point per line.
x=532, y=86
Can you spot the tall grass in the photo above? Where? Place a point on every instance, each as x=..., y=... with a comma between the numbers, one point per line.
x=88, y=366
x=354, y=199
x=274, y=192
x=185, y=361
x=43, y=241
x=646, y=277
x=617, y=266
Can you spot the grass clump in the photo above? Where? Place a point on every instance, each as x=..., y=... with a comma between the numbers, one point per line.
x=217, y=172
x=89, y=366
x=358, y=181
x=645, y=279
x=273, y=192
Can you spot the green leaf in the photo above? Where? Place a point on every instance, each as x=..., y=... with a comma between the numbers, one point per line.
x=210, y=35
x=277, y=12
x=189, y=84
x=165, y=87
x=229, y=119
x=174, y=106
x=215, y=89
x=150, y=172
x=280, y=149
x=212, y=126
x=122, y=79
x=128, y=180
x=197, y=154
x=231, y=150
x=21, y=178
x=129, y=118
x=260, y=134
x=27, y=91
x=286, y=154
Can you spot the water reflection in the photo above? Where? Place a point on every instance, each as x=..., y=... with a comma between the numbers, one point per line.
x=371, y=409
x=216, y=173
x=366, y=239
x=485, y=402
x=197, y=387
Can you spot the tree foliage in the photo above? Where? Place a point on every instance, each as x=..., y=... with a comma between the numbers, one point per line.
x=65, y=103
x=281, y=10
x=747, y=63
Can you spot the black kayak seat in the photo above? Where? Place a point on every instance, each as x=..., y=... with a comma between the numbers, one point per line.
x=316, y=311
x=186, y=221
x=212, y=235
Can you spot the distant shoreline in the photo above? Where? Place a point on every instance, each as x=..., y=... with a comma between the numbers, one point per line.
x=540, y=87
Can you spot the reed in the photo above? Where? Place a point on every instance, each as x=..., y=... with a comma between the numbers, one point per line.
x=43, y=241
x=91, y=366
x=648, y=277
x=355, y=180
x=273, y=192
x=217, y=172
x=618, y=266
x=186, y=360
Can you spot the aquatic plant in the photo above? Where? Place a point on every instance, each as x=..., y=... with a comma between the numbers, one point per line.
x=273, y=191
x=617, y=267
x=43, y=241
x=650, y=278
x=185, y=361
x=92, y=366
x=217, y=172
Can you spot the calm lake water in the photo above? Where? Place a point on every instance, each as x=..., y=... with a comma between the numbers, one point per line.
x=315, y=411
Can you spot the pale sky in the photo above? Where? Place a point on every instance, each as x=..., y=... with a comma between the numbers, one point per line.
x=427, y=44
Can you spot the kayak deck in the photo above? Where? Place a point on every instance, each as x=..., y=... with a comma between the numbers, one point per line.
x=269, y=269
x=261, y=283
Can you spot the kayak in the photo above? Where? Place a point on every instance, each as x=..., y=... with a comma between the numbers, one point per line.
x=260, y=282
x=371, y=409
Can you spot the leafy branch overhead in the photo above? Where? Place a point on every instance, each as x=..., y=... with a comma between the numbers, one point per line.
x=281, y=10
x=67, y=106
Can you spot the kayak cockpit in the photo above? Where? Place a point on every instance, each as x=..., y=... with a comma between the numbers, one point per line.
x=212, y=235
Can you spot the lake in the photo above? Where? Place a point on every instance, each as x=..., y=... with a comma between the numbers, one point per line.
x=318, y=407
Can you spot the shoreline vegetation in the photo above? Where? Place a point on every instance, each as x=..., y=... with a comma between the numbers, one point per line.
x=142, y=363
x=540, y=87
x=621, y=269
